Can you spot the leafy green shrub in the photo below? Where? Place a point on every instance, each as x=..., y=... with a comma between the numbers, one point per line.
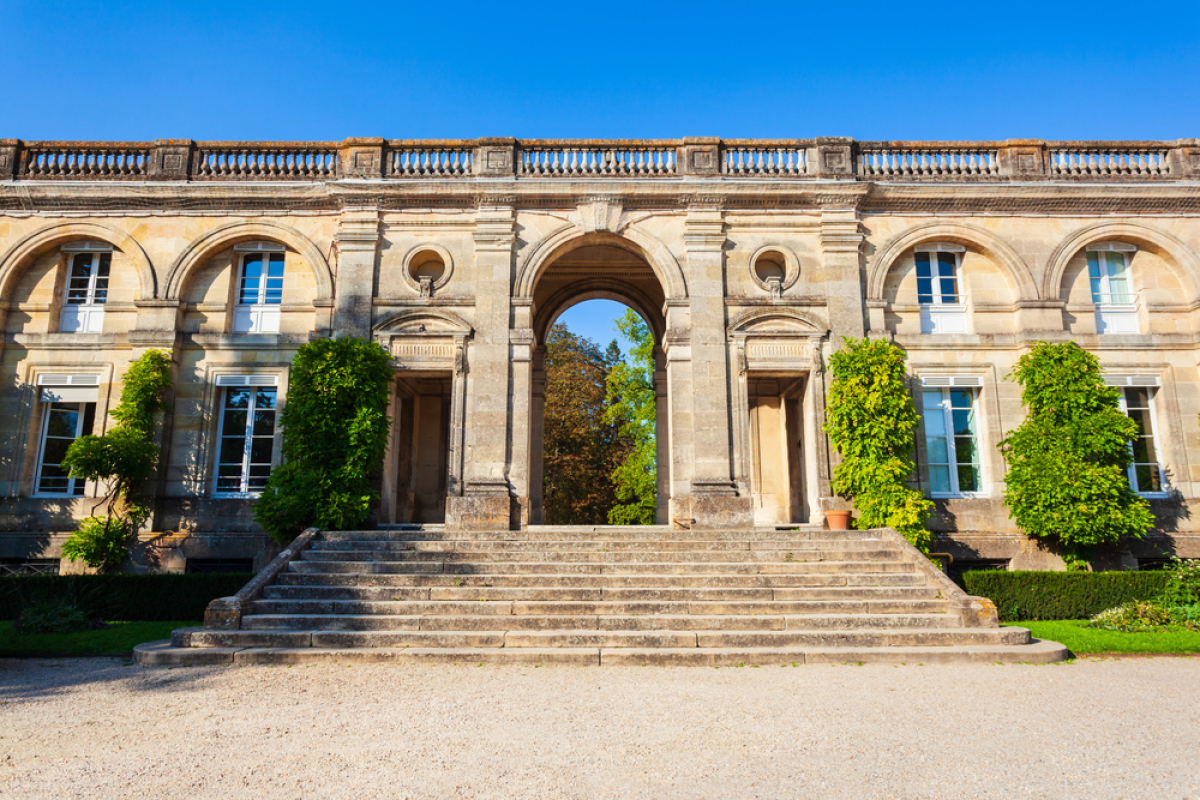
x=1183, y=583
x=122, y=458
x=1068, y=461
x=335, y=429
x=99, y=543
x=52, y=616
x=151, y=598
x=633, y=405
x=1061, y=595
x=1146, y=617
x=870, y=419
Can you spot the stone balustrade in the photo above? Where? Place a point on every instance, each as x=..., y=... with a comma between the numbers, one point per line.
x=773, y=159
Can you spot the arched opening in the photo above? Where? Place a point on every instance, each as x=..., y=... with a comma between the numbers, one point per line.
x=577, y=301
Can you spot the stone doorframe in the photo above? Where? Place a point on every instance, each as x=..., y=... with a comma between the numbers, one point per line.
x=787, y=343
x=425, y=341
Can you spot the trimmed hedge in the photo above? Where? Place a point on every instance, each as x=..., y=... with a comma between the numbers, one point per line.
x=1061, y=595
x=136, y=598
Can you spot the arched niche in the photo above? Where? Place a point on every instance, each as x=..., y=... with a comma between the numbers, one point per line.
x=223, y=237
x=34, y=244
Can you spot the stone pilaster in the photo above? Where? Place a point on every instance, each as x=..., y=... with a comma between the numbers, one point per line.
x=8, y=158
x=841, y=245
x=487, y=498
x=357, y=240
x=361, y=158
x=171, y=159
x=715, y=502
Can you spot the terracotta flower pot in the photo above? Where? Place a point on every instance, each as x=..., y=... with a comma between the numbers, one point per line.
x=838, y=520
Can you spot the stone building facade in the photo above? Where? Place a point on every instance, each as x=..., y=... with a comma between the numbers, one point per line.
x=749, y=259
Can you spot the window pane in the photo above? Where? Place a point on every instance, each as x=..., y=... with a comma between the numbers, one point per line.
x=62, y=421
x=265, y=397
x=936, y=450
x=232, y=451
x=939, y=479
x=264, y=423
x=1148, y=478
x=81, y=266
x=274, y=281
x=923, y=266
x=237, y=398
x=54, y=450
x=924, y=290
x=964, y=422
x=968, y=478
x=234, y=424
x=260, y=450
x=946, y=262
x=932, y=398
x=960, y=398
x=935, y=423
x=251, y=272
x=1137, y=398
x=964, y=450
x=105, y=263
x=1116, y=264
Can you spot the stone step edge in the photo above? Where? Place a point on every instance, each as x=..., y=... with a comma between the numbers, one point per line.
x=1039, y=651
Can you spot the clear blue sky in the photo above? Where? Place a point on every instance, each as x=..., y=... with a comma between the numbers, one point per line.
x=300, y=70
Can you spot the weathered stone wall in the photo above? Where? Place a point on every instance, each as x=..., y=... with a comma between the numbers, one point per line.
x=750, y=261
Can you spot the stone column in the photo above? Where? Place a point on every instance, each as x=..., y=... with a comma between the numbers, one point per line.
x=357, y=240
x=715, y=499
x=662, y=439
x=537, y=438
x=486, y=501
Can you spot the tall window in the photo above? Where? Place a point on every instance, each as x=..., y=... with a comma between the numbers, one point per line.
x=938, y=290
x=246, y=440
x=937, y=278
x=62, y=423
x=260, y=288
x=87, y=289
x=1145, y=473
x=951, y=441
x=1112, y=289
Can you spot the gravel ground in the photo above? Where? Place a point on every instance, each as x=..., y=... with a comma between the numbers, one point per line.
x=1121, y=728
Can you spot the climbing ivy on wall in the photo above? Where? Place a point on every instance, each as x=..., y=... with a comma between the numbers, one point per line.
x=870, y=418
x=121, y=458
x=335, y=429
x=1068, y=462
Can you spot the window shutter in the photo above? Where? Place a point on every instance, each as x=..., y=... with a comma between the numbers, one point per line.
x=68, y=388
x=953, y=381
x=1133, y=380
x=247, y=380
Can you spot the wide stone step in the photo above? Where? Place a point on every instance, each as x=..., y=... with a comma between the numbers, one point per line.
x=642, y=567
x=906, y=581
x=604, y=557
x=602, y=533
x=650, y=545
x=585, y=592
x=1039, y=651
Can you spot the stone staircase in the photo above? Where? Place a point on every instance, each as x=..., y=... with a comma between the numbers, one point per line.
x=601, y=595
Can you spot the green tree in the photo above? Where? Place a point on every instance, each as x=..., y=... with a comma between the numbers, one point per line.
x=870, y=419
x=581, y=448
x=1068, y=462
x=631, y=398
x=335, y=429
x=121, y=458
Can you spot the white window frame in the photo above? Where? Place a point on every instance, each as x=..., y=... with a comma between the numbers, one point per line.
x=937, y=315
x=946, y=384
x=63, y=389
x=224, y=383
x=72, y=483
x=1112, y=317
x=261, y=316
x=1152, y=383
x=88, y=316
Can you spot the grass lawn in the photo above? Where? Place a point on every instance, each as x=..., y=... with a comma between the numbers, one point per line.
x=117, y=639
x=1083, y=641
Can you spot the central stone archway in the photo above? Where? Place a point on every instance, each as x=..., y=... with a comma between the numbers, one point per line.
x=590, y=268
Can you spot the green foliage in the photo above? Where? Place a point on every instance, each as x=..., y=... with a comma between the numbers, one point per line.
x=870, y=419
x=121, y=458
x=632, y=405
x=582, y=446
x=163, y=596
x=100, y=543
x=1061, y=595
x=1138, y=616
x=1068, y=461
x=335, y=429
x=52, y=616
x=1183, y=583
